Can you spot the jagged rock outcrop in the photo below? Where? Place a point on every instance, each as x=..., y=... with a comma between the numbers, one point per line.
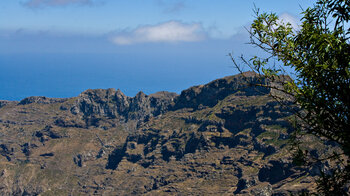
x=4, y=103
x=245, y=183
x=41, y=100
x=69, y=122
x=49, y=133
x=6, y=151
x=115, y=105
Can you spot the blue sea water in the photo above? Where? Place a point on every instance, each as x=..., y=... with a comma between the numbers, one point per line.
x=67, y=75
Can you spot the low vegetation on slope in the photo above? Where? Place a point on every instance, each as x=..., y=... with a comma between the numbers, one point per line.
x=225, y=137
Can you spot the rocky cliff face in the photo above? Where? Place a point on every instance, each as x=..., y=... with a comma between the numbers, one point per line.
x=93, y=105
x=222, y=138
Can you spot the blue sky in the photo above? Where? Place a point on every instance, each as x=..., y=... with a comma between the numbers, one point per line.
x=67, y=46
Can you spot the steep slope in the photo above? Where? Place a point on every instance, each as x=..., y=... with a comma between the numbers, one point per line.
x=225, y=137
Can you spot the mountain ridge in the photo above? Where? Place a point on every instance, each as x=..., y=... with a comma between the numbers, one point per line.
x=225, y=137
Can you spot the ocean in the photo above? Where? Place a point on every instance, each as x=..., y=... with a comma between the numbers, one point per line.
x=67, y=75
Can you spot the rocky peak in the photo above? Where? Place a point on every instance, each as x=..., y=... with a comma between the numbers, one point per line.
x=120, y=95
x=115, y=104
x=41, y=100
x=122, y=101
x=211, y=93
x=140, y=95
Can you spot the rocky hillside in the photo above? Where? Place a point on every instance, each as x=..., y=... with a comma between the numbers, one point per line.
x=224, y=138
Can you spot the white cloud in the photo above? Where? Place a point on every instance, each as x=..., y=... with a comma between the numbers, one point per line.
x=54, y=3
x=287, y=18
x=171, y=31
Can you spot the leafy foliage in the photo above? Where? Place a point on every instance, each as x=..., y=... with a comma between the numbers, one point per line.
x=318, y=52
